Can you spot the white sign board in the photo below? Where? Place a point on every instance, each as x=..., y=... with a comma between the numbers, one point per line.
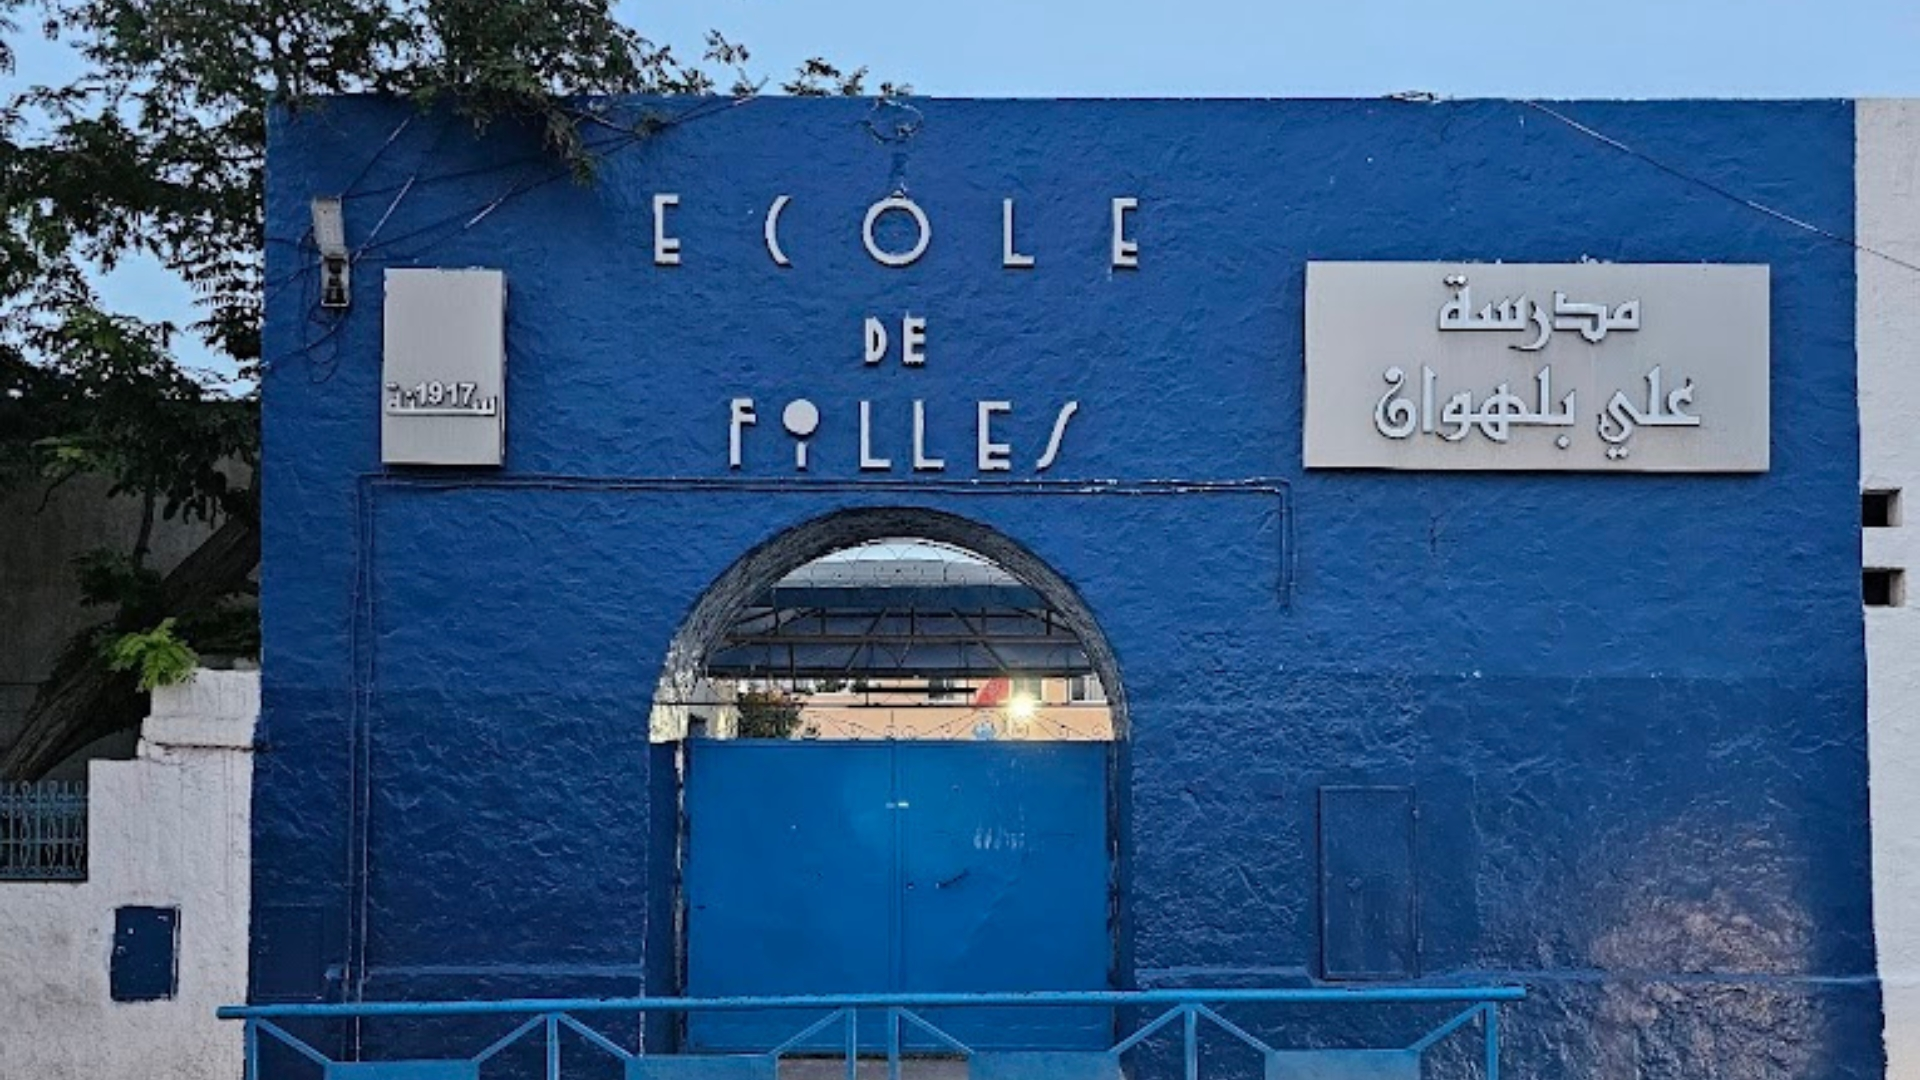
x=1603, y=367
x=443, y=389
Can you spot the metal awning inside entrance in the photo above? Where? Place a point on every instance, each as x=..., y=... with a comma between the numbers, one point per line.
x=928, y=615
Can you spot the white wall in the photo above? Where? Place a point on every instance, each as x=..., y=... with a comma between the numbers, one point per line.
x=167, y=829
x=1887, y=190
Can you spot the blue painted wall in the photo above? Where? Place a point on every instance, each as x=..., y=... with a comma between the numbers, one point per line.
x=1631, y=708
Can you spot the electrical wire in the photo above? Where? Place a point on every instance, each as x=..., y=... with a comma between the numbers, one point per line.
x=393, y=135
x=1723, y=192
x=638, y=132
x=641, y=129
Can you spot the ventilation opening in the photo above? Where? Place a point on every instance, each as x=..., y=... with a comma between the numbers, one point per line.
x=1880, y=509
x=1883, y=588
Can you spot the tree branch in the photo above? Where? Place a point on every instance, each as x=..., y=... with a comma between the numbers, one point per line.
x=93, y=701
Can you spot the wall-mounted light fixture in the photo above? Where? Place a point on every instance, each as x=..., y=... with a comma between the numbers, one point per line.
x=330, y=235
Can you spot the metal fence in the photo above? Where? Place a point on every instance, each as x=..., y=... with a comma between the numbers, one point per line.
x=1181, y=1021
x=43, y=831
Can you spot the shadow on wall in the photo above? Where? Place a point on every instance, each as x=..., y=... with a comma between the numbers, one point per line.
x=1705, y=980
x=41, y=533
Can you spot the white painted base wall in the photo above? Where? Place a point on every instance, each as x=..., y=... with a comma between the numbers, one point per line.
x=1887, y=193
x=167, y=829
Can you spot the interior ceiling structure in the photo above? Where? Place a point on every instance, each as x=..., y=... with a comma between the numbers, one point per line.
x=898, y=609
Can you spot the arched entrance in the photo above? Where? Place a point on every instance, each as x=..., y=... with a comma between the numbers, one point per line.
x=899, y=735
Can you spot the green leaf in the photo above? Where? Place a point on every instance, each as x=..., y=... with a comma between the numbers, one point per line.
x=161, y=658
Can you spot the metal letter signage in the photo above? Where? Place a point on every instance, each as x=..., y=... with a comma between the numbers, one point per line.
x=1600, y=367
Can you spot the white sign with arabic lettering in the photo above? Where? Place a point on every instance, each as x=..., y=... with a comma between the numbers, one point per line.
x=1604, y=367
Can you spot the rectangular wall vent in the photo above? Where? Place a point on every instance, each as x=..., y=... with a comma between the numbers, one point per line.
x=1880, y=587
x=1880, y=509
x=1369, y=923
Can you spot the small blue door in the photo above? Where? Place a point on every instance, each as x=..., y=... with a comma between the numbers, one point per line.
x=868, y=867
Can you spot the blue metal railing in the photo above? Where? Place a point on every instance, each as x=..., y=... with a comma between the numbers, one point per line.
x=1190, y=1009
x=43, y=830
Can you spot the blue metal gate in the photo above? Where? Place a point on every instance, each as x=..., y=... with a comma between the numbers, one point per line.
x=903, y=867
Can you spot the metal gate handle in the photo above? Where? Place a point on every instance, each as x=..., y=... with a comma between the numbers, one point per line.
x=954, y=880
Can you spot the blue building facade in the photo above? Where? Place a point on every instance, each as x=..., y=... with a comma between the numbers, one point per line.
x=1627, y=711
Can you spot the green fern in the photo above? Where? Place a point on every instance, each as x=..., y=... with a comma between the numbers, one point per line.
x=162, y=658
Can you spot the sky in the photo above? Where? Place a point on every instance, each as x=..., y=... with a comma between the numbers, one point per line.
x=1250, y=48
x=1342, y=48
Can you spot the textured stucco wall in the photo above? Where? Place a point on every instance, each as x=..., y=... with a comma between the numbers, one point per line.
x=169, y=828
x=1632, y=707
x=1887, y=177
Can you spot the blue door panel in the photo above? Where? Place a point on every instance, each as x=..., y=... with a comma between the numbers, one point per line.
x=871, y=867
x=1004, y=867
x=789, y=873
x=144, y=965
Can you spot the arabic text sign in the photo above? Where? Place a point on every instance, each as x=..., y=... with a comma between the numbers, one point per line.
x=1604, y=367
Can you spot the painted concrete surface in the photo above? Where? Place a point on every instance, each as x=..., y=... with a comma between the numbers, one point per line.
x=1631, y=709
x=1887, y=179
x=169, y=828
